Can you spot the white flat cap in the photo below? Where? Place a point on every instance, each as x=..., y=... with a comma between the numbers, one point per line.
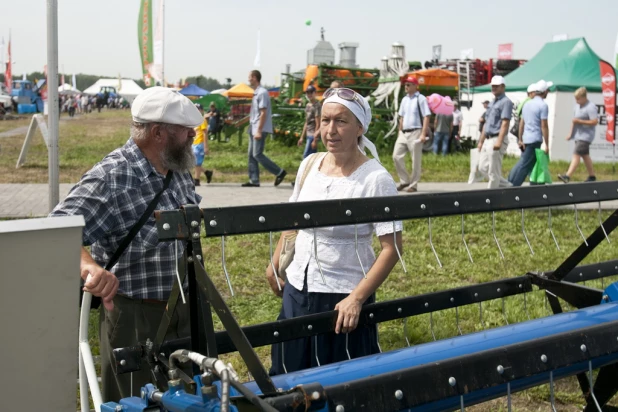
x=163, y=105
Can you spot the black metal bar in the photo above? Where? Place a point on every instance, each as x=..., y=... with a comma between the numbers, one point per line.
x=583, y=250
x=592, y=271
x=234, y=330
x=430, y=382
x=577, y=295
x=301, y=215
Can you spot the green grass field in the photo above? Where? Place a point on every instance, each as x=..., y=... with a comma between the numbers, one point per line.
x=85, y=140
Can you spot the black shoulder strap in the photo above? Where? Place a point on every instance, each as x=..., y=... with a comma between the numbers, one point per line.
x=420, y=112
x=136, y=227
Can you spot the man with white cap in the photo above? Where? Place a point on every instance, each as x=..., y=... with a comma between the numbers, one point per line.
x=494, y=138
x=533, y=131
x=152, y=170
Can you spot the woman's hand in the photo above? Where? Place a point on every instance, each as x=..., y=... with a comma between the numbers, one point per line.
x=272, y=281
x=349, y=312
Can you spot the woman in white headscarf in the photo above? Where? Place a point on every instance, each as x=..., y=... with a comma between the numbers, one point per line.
x=342, y=172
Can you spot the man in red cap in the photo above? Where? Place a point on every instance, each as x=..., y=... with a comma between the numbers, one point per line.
x=414, y=116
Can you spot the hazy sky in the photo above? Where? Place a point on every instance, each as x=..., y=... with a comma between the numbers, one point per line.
x=218, y=38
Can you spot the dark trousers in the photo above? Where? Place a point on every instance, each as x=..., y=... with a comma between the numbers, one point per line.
x=454, y=133
x=524, y=166
x=132, y=321
x=327, y=348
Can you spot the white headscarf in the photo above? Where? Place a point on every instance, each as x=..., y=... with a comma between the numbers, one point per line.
x=363, y=115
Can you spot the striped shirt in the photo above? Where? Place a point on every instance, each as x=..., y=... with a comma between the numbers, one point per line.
x=112, y=196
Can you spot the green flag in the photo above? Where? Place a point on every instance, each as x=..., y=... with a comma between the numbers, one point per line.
x=144, y=35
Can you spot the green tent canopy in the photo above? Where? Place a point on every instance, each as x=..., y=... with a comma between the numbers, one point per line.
x=570, y=64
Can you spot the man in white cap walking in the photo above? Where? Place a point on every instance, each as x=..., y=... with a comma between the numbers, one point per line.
x=494, y=138
x=533, y=131
x=153, y=169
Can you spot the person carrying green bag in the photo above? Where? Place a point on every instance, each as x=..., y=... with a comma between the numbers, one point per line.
x=540, y=173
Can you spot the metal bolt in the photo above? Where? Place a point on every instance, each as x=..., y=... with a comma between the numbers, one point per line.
x=544, y=196
x=143, y=394
x=118, y=408
x=276, y=334
x=583, y=348
x=310, y=327
x=371, y=316
x=213, y=223
x=581, y=275
x=452, y=300
x=517, y=198
x=348, y=212
x=426, y=304
x=500, y=369
x=599, y=271
x=262, y=219
x=605, y=298
x=315, y=395
x=476, y=295
x=190, y=259
x=452, y=381
x=456, y=204
x=307, y=216
x=544, y=358
x=199, y=257
x=123, y=362
x=196, y=236
x=195, y=223
x=423, y=207
x=399, y=310
x=498, y=290
x=521, y=286
x=398, y=395
x=387, y=209
x=595, y=192
x=339, y=408
x=570, y=194
x=487, y=201
x=166, y=226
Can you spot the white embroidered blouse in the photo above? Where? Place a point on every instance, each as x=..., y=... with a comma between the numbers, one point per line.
x=336, y=250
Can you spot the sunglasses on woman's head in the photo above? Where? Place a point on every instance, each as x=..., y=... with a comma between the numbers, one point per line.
x=346, y=94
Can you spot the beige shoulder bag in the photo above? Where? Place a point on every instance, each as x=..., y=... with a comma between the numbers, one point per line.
x=289, y=240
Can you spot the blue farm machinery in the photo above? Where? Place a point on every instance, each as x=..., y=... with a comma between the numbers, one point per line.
x=579, y=335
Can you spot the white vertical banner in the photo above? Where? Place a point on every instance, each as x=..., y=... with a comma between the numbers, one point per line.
x=156, y=70
x=616, y=54
x=74, y=82
x=436, y=52
x=257, y=60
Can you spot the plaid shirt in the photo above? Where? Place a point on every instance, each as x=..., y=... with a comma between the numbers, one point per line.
x=112, y=197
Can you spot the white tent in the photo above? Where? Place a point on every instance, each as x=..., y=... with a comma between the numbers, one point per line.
x=67, y=89
x=126, y=88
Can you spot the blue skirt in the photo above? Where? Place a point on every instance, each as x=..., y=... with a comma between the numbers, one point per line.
x=322, y=349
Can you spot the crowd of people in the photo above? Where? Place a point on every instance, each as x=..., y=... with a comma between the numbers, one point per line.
x=169, y=139
x=82, y=103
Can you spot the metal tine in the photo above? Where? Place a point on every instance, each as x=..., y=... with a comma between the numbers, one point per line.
x=283, y=358
x=523, y=230
x=481, y=314
x=403, y=265
x=378, y=339
x=457, y=317
x=315, y=339
x=550, y=228
x=552, y=399
x=504, y=312
x=594, y=398
x=405, y=330
x=431, y=325
x=315, y=249
x=227, y=276
x=346, y=346
x=182, y=292
x=356, y=249
x=272, y=264
x=577, y=224
x=431, y=242
x=508, y=396
x=601, y=223
x=526, y=304
x=493, y=228
x=461, y=403
x=463, y=237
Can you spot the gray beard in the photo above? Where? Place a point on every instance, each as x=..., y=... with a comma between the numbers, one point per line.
x=180, y=159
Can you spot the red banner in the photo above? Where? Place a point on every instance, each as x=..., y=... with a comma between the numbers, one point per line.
x=505, y=51
x=8, y=74
x=608, y=88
